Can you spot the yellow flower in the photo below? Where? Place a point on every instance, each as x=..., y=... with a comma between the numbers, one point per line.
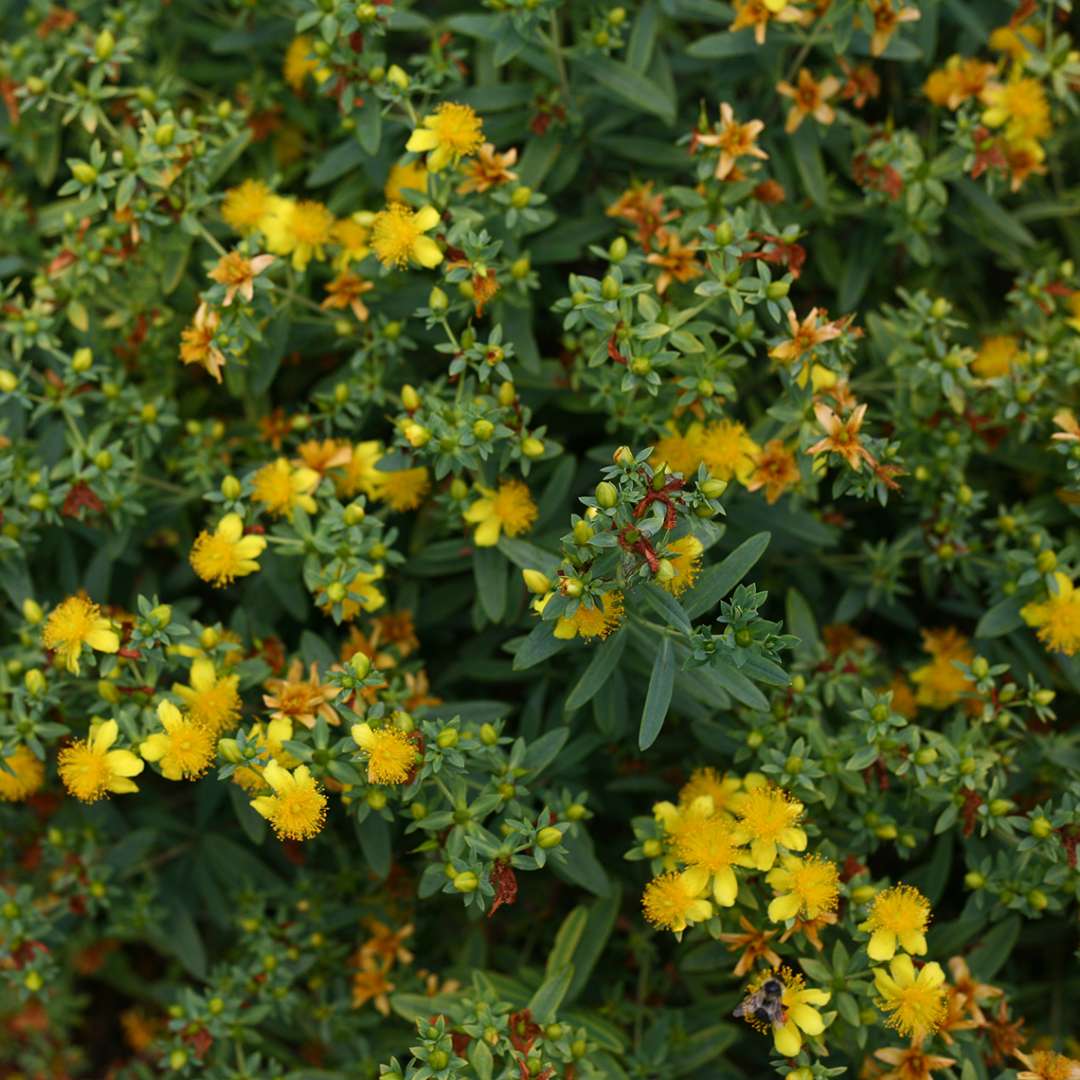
x=410, y=177
x=198, y=342
x=510, y=510
x=1016, y=42
x=806, y=887
x=25, y=777
x=1057, y=617
x=941, y=683
x=404, y=489
x=728, y=451
x=246, y=208
x=1046, y=1065
x=809, y=98
x=226, y=554
x=996, y=356
x=212, y=700
x=915, y=1003
x=450, y=133
x=353, y=234
x=707, y=781
x=1020, y=106
x=711, y=850
x=91, y=770
x=801, y=1015
x=391, y=756
x=591, y=620
x=238, y=274
x=300, y=62
x=674, y=902
x=75, y=623
x=759, y=13
x=680, y=451
x=183, y=750
x=281, y=488
x=297, y=808
x=684, y=555
x=768, y=819
x=300, y=229
x=361, y=473
x=898, y=916
x=397, y=235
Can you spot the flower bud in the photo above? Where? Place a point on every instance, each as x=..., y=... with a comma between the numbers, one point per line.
x=665, y=570
x=863, y=894
x=549, y=837
x=161, y=615
x=507, y=394
x=519, y=268
x=926, y=756
x=618, y=249
x=84, y=172
x=447, y=738
x=336, y=592
x=32, y=612
x=1041, y=827
x=8, y=381
x=417, y=435
x=483, y=429
x=83, y=360
x=229, y=749
x=1000, y=807
x=974, y=880
x=572, y=587
x=360, y=664
x=410, y=399
x=1043, y=697
x=353, y=514
x=1037, y=899
x=230, y=487
x=34, y=681
x=104, y=44
x=776, y=290
x=488, y=735
x=466, y=882
x=713, y=488
x=397, y=77
x=536, y=582
x=532, y=447
x=583, y=532
x=606, y=494
x=651, y=849
x=610, y=288
x=1045, y=561
x=520, y=197
x=438, y=301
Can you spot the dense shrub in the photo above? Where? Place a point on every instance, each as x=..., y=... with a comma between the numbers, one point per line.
x=539, y=539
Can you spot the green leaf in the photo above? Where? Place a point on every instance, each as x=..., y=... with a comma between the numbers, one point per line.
x=723, y=45
x=598, y=927
x=1002, y=618
x=717, y=581
x=605, y=660
x=738, y=685
x=545, y=1002
x=489, y=569
x=666, y=606
x=543, y=751
x=629, y=86
x=369, y=125
x=997, y=221
x=480, y=1059
x=801, y=622
x=342, y=159
x=643, y=37
x=539, y=645
x=374, y=836
x=808, y=160
x=701, y=1047
x=528, y=556
x=992, y=953
x=658, y=697
x=932, y=877
x=566, y=940
x=580, y=865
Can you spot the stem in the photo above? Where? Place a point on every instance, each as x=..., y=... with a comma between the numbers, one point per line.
x=556, y=49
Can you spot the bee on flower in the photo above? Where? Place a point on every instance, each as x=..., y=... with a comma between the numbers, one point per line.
x=778, y=1002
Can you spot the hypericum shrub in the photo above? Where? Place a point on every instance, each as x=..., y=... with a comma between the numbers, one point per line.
x=539, y=540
